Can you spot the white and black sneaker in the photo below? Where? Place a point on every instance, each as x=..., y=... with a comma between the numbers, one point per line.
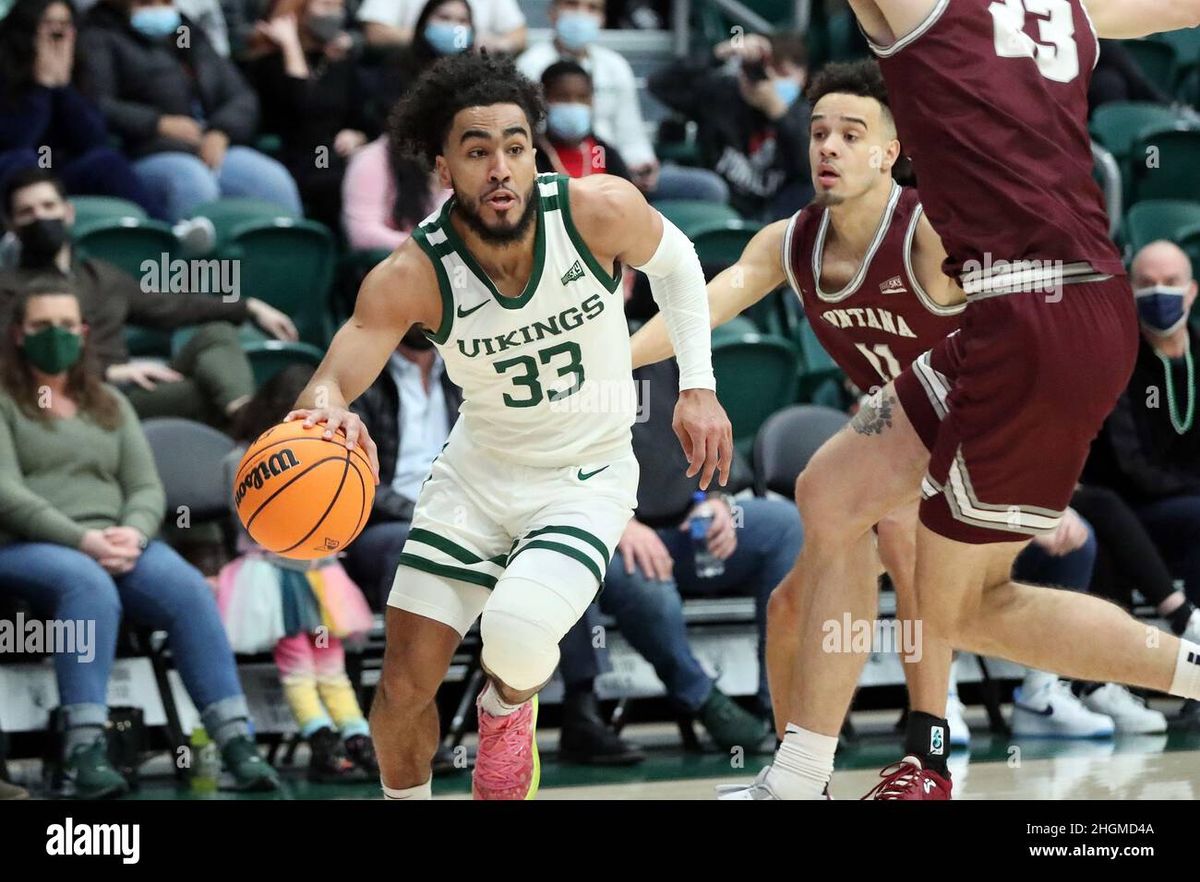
x=1045, y=707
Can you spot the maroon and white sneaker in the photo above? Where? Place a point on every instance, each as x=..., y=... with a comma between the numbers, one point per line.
x=907, y=779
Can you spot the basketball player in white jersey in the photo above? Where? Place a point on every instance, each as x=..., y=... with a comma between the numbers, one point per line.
x=517, y=280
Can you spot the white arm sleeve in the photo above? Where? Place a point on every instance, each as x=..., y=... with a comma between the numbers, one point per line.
x=677, y=283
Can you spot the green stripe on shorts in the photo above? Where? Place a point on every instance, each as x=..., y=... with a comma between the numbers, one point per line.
x=446, y=571
x=568, y=550
x=576, y=533
x=453, y=549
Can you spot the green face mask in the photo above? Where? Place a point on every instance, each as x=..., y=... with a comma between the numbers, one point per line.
x=53, y=350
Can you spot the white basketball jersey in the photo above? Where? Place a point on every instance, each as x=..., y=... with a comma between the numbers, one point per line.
x=546, y=376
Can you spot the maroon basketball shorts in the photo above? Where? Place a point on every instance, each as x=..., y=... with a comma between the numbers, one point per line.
x=1010, y=404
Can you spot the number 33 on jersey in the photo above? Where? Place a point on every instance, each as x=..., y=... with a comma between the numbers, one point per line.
x=546, y=376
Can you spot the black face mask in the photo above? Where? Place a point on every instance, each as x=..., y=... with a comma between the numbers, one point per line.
x=41, y=240
x=415, y=339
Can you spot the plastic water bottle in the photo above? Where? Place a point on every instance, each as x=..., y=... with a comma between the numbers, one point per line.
x=206, y=762
x=708, y=565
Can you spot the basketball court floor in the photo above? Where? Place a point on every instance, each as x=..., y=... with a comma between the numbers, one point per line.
x=995, y=767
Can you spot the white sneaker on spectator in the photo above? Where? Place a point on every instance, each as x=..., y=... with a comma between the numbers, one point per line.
x=1045, y=707
x=960, y=733
x=1127, y=711
x=196, y=235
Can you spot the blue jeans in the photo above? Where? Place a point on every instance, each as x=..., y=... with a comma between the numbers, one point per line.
x=649, y=613
x=162, y=591
x=101, y=171
x=1174, y=525
x=183, y=181
x=685, y=182
x=1073, y=571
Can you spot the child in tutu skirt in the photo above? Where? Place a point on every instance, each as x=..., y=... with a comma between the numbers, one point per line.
x=300, y=610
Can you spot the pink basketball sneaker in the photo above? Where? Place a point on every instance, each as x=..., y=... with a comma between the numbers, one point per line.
x=507, y=764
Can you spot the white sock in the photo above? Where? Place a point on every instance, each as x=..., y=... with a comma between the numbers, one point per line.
x=1036, y=681
x=803, y=764
x=421, y=791
x=1186, y=682
x=491, y=702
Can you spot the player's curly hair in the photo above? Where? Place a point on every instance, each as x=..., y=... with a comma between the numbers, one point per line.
x=862, y=78
x=420, y=123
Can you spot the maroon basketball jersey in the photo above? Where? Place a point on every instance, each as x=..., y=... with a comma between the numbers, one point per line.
x=883, y=320
x=990, y=99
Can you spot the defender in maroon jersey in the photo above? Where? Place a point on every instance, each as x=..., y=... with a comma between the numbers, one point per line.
x=990, y=103
x=867, y=267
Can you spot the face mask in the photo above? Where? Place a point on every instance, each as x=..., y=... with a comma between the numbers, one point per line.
x=577, y=30
x=1161, y=309
x=155, y=22
x=325, y=27
x=53, y=350
x=788, y=91
x=447, y=38
x=569, y=122
x=41, y=240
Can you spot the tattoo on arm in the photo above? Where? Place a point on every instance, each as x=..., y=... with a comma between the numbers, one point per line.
x=874, y=415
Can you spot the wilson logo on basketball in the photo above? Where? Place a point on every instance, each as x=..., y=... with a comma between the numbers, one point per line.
x=272, y=467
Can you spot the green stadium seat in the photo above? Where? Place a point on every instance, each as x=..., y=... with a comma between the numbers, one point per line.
x=1154, y=219
x=147, y=342
x=771, y=314
x=1189, y=241
x=91, y=210
x=1176, y=152
x=722, y=243
x=126, y=242
x=290, y=265
x=228, y=214
x=1186, y=43
x=1158, y=61
x=820, y=379
x=690, y=214
x=1118, y=124
x=757, y=374
x=269, y=357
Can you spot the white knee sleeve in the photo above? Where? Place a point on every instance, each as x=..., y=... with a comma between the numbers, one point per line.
x=521, y=628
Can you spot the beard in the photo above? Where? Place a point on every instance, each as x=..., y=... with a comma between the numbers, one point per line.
x=502, y=236
x=827, y=198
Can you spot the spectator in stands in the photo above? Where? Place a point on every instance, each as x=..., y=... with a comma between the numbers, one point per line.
x=312, y=100
x=208, y=379
x=82, y=503
x=1149, y=448
x=499, y=24
x=569, y=146
x=44, y=119
x=753, y=125
x=256, y=586
x=409, y=411
x=443, y=27
x=654, y=566
x=183, y=111
x=1118, y=78
x=385, y=195
x=617, y=112
x=208, y=15
x=1127, y=558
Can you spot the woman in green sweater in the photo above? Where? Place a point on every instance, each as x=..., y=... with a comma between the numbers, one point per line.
x=80, y=501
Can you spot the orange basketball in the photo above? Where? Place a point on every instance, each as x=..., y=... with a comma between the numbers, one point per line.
x=300, y=495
